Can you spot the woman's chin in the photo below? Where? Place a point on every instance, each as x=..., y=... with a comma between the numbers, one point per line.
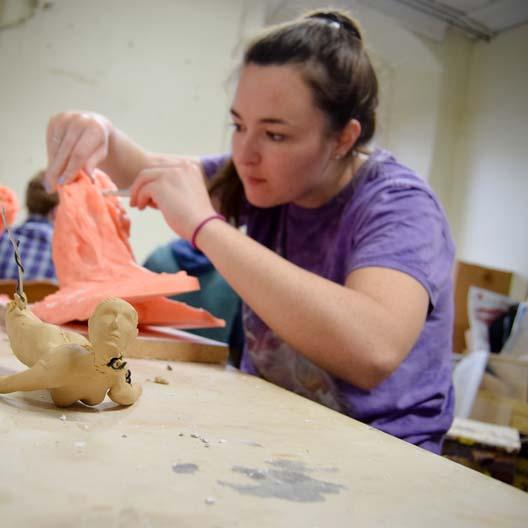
x=260, y=200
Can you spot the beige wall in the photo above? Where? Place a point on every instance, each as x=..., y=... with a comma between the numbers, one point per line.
x=489, y=198
x=156, y=68
x=455, y=111
x=454, y=53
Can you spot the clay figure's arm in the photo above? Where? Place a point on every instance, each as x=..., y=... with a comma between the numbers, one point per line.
x=124, y=392
x=58, y=368
x=39, y=376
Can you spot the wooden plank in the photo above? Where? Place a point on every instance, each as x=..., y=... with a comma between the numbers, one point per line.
x=492, y=435
x=174, y=350
x=167, y=343
x=35, y=290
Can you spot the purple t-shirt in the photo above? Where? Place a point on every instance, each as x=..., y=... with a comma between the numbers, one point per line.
x=385, y=217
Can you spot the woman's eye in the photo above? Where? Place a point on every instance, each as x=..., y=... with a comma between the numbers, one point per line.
x=237, y=126
x=276, y=137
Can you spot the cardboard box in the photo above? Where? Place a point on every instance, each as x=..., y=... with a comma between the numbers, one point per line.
x=500, y=281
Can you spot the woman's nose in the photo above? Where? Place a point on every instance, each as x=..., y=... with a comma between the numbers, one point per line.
x=249, y=153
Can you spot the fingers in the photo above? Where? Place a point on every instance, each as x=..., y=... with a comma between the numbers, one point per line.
x=151, y=181
x=99, y=155
x=52, y=141
x=74, y=141
x=142, y=190
x=77, y=151
x=145, y=198
x=58, y=139
x=63, y=156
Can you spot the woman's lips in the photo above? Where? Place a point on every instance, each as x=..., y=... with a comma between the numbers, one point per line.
x=255, y=181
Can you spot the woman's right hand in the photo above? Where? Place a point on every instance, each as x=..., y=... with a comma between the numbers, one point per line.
x=75, y=141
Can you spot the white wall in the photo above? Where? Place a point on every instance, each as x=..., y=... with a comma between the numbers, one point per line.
x=455, y=111
x=156, y=68
x=489, y=200
x=455, y=54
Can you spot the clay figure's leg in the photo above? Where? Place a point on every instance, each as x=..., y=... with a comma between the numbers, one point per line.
x=125, y=393
x=63, y=398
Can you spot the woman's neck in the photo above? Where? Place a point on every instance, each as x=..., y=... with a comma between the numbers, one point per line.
x=346, y=171
x=339, y=174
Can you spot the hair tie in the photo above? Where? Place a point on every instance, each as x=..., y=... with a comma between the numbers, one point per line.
x=331, y=20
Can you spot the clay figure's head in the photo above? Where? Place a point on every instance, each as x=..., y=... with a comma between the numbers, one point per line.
x=111, y=328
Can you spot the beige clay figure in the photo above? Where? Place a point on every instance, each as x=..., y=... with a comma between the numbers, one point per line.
x=69, y=365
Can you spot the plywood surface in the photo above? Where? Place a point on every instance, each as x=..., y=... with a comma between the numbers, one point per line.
x=216, y=448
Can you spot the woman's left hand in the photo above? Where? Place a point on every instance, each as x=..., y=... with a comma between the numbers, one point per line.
x=178, y=190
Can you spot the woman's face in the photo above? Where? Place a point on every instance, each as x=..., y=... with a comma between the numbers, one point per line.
x=281, y=146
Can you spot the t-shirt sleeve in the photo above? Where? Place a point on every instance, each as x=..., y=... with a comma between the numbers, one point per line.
x=402, y=227
x=213, y=163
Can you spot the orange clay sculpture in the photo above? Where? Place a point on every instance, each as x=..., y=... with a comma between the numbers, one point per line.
x=8, y=202
x=93, y=261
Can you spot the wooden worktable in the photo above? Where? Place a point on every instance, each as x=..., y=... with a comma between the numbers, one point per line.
x=216, y=448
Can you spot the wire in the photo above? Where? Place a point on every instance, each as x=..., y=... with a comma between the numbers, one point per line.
x=18, y=260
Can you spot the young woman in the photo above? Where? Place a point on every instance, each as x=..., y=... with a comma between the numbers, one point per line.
x=345, y=271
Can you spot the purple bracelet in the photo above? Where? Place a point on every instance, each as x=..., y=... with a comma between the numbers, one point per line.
x=198, y=228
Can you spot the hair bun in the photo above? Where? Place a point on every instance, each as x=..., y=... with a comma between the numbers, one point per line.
x=337, y=20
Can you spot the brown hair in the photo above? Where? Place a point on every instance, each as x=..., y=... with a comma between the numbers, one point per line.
x=38, y=200
x=327, y=47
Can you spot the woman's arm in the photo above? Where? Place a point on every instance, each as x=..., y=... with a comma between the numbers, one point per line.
x=84, y=140
x=125, y=159
x=360, y=332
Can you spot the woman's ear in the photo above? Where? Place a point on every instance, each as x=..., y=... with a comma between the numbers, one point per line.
x=347, y=138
